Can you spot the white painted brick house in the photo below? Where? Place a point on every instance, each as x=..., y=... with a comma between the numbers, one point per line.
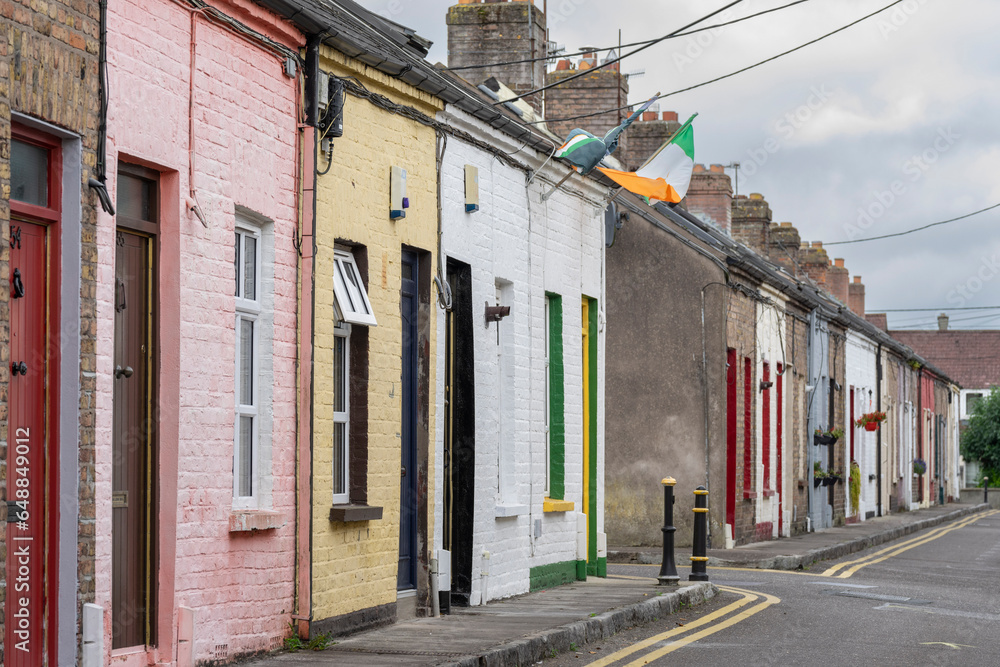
x=513, y=519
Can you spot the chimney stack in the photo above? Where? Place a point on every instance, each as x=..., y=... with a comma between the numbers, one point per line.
x=837, y=278
x=785, y=243
x=752, y=223
x=815, y=263
x=599, y=89
x=646, y=136
x=856, y=296
x=481, y=32
x=710, y=196
x=943, y=322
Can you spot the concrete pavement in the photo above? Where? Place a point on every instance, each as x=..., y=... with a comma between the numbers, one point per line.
x=525, y=629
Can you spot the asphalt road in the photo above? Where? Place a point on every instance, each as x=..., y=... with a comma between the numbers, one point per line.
x=932, y=598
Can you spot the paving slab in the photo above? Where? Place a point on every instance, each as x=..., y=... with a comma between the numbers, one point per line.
x=516, y=631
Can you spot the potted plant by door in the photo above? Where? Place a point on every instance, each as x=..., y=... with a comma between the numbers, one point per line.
x=870, y=420
x=919, y=467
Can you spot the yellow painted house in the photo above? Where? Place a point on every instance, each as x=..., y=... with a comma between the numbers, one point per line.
x=376, y=233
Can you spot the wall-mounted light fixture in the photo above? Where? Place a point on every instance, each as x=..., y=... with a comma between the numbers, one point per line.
x=765, y=385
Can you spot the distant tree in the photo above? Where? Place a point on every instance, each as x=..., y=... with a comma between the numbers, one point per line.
x=981, y=440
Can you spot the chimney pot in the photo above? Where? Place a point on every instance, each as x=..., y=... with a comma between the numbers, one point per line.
x=718, y=169
x=818, y=244
x=564, y=65
x=857, y=280
x=786, y=224
x=649, y=115
x=942, y=322
x=698, y=168
x=670, y=115
x=839, y=262
x=756, y=195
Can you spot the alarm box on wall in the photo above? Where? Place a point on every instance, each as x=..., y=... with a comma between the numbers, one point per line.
x=398, y=201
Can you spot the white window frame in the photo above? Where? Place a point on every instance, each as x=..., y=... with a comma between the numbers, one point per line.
x=343, y=331
x=248, y=310
x=351, y=300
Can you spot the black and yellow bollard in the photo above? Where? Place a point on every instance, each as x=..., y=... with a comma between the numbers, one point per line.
x=699, y=550
x=668, y=569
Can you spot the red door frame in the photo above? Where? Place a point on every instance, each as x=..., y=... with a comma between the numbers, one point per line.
x=779, y=409
x=731, y=407
x=49, y=216
x=765, y=409
x=748, y=491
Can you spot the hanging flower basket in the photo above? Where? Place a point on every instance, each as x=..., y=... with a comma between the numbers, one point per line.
x=870, y=421
x=919, y=466
x=821, y=437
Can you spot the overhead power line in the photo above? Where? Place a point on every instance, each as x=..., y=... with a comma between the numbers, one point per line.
x=918, y=229
x=623, y=57
x=725, y=76
x=928, y=310
x=625, y=46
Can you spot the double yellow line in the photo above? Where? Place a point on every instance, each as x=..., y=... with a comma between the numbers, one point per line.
x=748, y=597
x=853, y=566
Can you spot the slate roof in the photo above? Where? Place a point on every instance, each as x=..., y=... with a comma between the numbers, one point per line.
x=971, y=358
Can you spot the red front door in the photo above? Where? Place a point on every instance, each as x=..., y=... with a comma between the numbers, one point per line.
x=32, y=448
x=26, y=449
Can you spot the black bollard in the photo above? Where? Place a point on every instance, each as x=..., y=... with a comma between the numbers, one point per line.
x=986, y=489
x=668, y=569
x=699, y=550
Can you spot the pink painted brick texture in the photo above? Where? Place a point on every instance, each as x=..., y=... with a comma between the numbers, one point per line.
x=240, y=585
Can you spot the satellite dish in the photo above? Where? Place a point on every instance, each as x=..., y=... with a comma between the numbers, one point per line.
x=612, y=223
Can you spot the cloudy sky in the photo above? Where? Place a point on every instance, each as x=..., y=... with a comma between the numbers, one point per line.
x=889, y=125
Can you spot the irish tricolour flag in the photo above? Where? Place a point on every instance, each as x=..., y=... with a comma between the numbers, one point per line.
x=666, y=175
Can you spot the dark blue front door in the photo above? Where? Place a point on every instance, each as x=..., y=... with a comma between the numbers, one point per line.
x=408, y=474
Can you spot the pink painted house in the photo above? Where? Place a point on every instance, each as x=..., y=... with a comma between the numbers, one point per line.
x=196, y=335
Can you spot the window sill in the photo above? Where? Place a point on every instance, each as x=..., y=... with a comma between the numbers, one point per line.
x=748, y=494
x=504, y=511
x=355, y=512
x=551, y=505
x=768, y=493
x=250, y=521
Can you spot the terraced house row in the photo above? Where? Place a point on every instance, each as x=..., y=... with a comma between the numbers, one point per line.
x=306, y=335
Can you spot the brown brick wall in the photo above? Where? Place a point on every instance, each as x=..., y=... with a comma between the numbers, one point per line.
x=838, y=372
x=600, y=89
x=797, y=469
x=49, y=71
x=489, y=33
x=741, y=336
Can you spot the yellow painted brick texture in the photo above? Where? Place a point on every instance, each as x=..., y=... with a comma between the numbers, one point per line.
x=355, y=565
